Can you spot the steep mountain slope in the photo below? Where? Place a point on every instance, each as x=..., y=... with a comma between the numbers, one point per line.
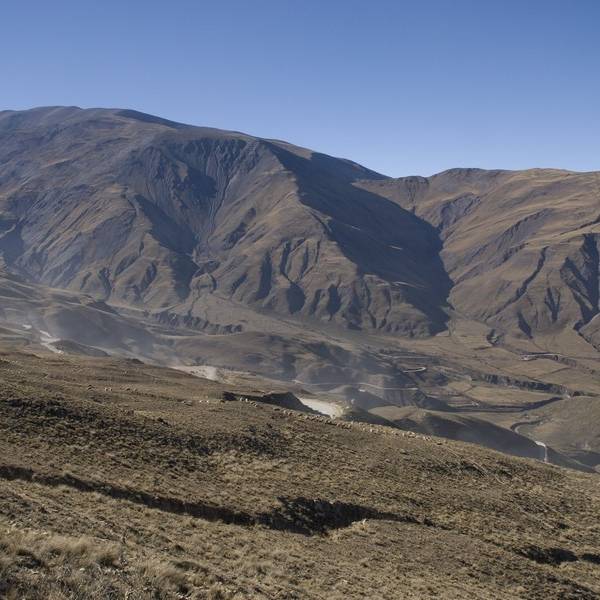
x=521, y=248
x=177, y=219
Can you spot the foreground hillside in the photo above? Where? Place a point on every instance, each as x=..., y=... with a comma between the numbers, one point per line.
x=119, y=479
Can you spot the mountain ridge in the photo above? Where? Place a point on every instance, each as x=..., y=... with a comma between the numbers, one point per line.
x=472, y=291
x=178, y=186
x=195, y=213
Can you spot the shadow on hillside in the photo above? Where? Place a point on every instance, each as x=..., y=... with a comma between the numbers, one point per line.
x=379, y=236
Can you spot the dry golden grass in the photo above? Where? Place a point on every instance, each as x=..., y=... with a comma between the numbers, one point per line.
x=165, y=491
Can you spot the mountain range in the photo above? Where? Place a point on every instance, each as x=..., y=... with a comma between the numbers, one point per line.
x=128, y=233
x=140, y=211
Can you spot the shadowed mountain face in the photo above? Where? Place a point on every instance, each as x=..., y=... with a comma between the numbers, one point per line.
x=144, y=212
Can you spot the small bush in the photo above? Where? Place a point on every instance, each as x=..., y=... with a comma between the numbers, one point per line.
x=166, y=576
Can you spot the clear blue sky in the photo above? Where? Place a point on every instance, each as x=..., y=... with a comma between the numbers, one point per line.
x=402, y=87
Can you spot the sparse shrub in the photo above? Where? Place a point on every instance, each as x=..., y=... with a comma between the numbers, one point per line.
x=166, y=576
x=83, y=551
x=218, y=592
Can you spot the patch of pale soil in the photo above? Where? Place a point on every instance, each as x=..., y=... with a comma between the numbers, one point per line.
x=327, y=408
x=47, y=340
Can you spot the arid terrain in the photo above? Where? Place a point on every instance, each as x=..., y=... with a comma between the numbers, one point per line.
x=119, y=479
x=229, y=365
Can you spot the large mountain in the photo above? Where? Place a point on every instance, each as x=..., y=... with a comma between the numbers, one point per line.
x=197, y=225
x=521, y=247
x=141, y=211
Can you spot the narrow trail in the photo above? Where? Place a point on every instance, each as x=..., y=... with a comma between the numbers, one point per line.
x=543, y=447
x=544, y=450
x=515, y=426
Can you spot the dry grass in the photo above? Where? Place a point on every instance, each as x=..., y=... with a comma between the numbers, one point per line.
x=50, y=566
x=104, y=500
